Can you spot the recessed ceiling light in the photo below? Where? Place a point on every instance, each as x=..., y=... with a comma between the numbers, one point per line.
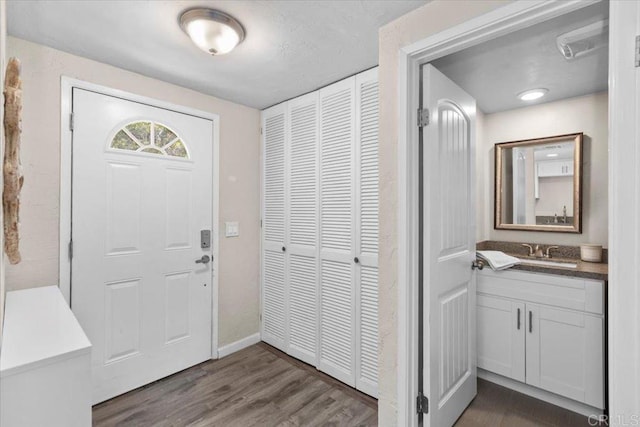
x=533, y=94
x=213, y=31
x=552, y=155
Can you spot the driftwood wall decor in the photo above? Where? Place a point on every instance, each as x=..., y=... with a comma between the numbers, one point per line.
x=13, y=178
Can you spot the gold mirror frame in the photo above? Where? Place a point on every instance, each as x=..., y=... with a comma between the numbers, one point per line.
x=576, y=227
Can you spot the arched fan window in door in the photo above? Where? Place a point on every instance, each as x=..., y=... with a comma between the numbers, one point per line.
x=149, y=137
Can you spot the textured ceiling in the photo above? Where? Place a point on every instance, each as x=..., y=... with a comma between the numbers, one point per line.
x=496, y=71
x=291, y=47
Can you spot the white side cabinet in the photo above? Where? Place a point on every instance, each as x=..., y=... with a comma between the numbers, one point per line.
x=545, y=331
x=45, y=366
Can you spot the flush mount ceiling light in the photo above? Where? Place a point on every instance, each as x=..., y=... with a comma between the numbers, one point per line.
x=532, y=94
x=213, y=31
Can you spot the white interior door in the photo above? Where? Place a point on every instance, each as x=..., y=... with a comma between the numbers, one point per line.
x=366, y=159
x=142, y=192
x=337, y=231
x=302, y=241
x=274, y=259
x=449, y=249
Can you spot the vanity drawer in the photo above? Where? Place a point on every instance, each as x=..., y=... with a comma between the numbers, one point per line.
x=559, y=291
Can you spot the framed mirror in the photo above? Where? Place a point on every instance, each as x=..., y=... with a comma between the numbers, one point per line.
x=538, y=184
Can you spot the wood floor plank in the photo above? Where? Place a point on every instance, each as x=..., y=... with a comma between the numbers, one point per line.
x=261, y=386
x=258, y=386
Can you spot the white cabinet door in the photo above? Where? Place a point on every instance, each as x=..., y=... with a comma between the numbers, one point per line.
x=337, y=231
x=274, y=277
x=302, y=208
x=555, y=168
x=501, y=335
x=367, y=232
x=564, y=353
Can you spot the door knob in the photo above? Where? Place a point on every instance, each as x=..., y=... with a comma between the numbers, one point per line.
x=356, y=260
x=284, y=249
x=204, y=260
x=479, y=264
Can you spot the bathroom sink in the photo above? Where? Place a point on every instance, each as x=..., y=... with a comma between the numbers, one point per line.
x=548, y=263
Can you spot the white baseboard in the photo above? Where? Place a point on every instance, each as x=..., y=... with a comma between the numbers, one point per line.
x=543, y=395
x=245, y=342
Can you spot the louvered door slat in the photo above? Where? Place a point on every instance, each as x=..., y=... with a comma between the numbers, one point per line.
x=337, y=202
x=367, y=230
x=274, y=136
x=303, y=227
x=274, y=289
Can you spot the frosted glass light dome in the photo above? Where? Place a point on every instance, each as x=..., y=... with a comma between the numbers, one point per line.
x=212, y=31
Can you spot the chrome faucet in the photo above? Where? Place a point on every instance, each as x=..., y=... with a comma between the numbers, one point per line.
x=547, y=253
x=535, y=251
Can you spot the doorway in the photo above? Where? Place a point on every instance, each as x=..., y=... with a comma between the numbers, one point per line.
x=142, y=246
x=503, y=21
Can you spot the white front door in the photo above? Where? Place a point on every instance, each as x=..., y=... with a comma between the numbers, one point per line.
x=449, y=331
x=142, y=193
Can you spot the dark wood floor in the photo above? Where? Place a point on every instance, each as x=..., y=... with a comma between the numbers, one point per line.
x=261, y=386
x=258, y=386
x=496, y=406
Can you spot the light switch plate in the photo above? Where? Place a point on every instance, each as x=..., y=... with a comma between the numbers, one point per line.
x=231, y=229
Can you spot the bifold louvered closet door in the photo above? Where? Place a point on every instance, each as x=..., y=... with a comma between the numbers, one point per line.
x=320, y=229
x=274, y=289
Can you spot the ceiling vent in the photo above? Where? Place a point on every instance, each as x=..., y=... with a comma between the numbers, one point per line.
x=582, y=41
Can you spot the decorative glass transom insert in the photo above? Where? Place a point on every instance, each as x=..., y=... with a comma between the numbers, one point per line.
x=149, y=137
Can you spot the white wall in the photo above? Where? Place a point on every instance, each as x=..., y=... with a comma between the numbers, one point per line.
x=239, y=177
x=586, y=114
x=427, y=20
x=556, y=192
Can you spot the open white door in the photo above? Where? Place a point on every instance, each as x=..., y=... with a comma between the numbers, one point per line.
x=449, y=292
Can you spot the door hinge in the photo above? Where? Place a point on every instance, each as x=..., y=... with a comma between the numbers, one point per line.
x=422, y=404
x=70, y=249
x=637, y=51
x=423, y=117
x=71, y=122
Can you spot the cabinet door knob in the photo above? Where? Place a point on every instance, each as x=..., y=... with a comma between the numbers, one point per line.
x=356, y=260
x=284, y=249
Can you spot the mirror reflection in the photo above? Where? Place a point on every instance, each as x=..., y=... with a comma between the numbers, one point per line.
x=538, y=184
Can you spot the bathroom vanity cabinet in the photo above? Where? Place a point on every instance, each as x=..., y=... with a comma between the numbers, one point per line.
x=542, y=333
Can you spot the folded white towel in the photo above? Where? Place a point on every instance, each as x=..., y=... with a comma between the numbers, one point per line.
x=498, y=260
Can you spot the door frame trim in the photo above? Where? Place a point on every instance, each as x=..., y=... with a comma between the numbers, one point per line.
x=67, y=84
x=498, y=22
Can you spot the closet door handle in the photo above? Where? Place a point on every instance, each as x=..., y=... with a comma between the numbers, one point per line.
x=284, y=249
x=530, y=321
x=518, y=319
x=356, y=260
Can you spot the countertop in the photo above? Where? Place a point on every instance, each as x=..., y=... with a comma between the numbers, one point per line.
x=39, y=328
x=585, y=270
